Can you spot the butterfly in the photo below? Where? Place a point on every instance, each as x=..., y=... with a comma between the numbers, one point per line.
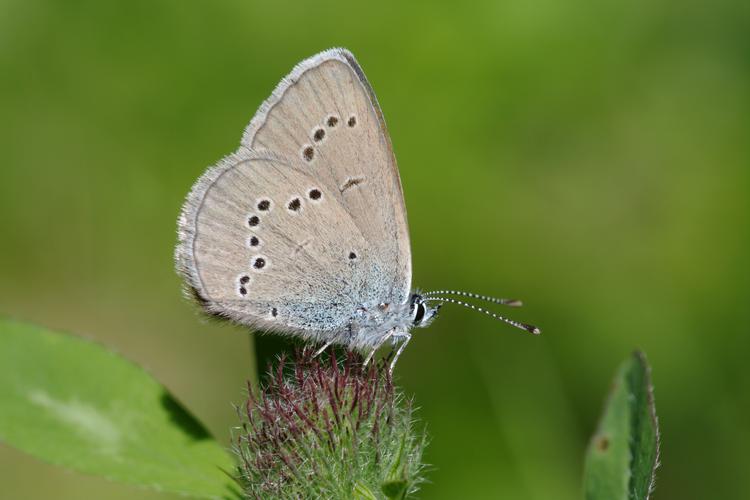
x=302, y=231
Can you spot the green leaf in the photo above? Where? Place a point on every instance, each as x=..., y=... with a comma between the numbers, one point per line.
x=623, y=454
x=69, y=401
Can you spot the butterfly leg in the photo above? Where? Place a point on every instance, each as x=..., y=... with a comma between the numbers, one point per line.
x=377, y=346
x=320, y=351
x=407, y=338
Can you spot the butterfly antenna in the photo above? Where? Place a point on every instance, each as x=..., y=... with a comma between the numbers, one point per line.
x=517, y=324
x=494, y=300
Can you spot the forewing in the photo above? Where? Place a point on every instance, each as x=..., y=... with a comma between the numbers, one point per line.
x=324, y=115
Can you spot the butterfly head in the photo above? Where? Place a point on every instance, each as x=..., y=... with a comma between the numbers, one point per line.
x=422, y=313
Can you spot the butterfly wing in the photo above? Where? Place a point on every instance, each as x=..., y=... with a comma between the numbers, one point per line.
x=306, y=222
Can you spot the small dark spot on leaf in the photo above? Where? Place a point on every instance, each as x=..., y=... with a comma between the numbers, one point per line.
x=602, y=443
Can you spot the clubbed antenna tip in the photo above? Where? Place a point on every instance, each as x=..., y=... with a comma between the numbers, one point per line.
x=532, y=329
x=523, y=326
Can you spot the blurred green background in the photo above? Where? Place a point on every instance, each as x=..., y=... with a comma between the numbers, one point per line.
x=591, y=158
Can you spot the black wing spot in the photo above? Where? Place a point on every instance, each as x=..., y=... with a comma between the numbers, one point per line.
x=253, y=241
x=294, y=205
x=332, y=121
x=352, y=121
x=259, y=263
x=319, y=135
x=253, y=221
x=264, y=205
x=352, y=255
x=308, y=153
x=315, y=194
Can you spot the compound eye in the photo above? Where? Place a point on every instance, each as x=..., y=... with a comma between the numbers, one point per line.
x=421, y=310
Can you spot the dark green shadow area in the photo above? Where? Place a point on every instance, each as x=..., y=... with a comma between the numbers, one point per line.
x=179, y=416
x=268, y=348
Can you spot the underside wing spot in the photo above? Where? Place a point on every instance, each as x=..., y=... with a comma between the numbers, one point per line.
x=264, y=205
x=332, y=120
x=314, y=194
x=319, y=134
x=294, y=205
x=258, y=263
x=253, y=221
x=253, y=242
x=242, y=282
x=352, y=121
x=274, y=312
x=308, y=153
x=351, y=182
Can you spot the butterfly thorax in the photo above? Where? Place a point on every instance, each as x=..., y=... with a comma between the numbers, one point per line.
x=371, y=323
